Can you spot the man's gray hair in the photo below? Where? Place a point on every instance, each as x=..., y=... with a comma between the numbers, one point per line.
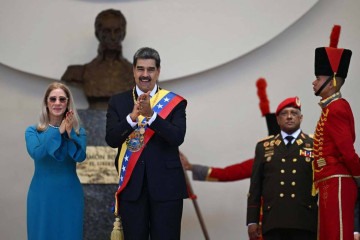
x=147, y=53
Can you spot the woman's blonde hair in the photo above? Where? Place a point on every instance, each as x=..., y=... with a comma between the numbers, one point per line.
x=44, y=116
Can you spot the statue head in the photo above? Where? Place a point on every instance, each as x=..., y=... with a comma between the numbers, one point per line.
x=110, y=29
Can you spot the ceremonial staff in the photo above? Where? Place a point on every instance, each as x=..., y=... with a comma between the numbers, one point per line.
x=193, y=198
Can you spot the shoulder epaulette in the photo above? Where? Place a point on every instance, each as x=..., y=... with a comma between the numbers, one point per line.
x=266, y=138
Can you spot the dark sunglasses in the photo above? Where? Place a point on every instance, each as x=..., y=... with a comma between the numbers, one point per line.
x=61, y=99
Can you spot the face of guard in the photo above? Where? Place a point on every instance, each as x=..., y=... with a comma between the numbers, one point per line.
x=146, y=74
x=318, y=82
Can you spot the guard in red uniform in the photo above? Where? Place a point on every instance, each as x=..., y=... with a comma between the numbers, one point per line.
x=335, y=160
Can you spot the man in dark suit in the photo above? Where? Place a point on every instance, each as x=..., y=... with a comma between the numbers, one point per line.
x=147, y=124
x=282, y=179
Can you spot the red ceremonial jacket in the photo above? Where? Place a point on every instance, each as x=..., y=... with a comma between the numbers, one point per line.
x=334, y=139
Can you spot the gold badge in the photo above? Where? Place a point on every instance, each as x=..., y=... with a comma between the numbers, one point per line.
x=142, y=130
x=307, y=159
x=299, y=141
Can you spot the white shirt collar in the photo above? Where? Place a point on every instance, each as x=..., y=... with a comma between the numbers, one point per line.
x=152, y=93
x=294, y=134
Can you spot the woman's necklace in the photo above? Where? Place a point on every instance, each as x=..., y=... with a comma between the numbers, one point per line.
x=53, y=126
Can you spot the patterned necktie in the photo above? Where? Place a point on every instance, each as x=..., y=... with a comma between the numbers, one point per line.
x=289, y=138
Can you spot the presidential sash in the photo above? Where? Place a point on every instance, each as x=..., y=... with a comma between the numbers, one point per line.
x=163, y=102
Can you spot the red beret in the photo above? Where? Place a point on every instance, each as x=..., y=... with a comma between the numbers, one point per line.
x=289, y=102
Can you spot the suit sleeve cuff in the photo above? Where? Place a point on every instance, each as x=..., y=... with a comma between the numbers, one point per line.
x=200, y=172
x=152, y=119
x=132, y=124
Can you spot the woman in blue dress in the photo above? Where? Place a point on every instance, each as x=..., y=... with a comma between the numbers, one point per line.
x=55, y=202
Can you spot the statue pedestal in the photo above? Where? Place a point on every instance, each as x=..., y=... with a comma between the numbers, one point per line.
x=98, y=176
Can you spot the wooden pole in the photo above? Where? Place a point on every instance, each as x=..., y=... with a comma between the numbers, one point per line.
x=193, y=198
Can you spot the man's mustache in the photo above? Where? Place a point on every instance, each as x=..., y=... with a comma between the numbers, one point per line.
x=145, y=78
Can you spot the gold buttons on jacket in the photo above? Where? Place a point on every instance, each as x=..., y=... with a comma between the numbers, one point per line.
x=294, y=171
x=293, y=183
x=293, y=195
x=282, y=171
x=281, y=195
x=282, y=183
x=294, y=160
x=283, y=160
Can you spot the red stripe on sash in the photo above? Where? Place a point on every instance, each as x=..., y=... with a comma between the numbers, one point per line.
x=136, y=155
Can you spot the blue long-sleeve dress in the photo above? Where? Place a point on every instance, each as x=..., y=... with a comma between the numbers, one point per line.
x=55, y=202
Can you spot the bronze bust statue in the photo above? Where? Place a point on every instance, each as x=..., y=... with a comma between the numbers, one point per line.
x=109, y=72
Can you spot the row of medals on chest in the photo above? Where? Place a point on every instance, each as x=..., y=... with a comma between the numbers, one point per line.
x=269, y=150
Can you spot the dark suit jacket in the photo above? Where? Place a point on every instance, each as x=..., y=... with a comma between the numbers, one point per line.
x=357, y=213
x=159, y=162
x=283, y=178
